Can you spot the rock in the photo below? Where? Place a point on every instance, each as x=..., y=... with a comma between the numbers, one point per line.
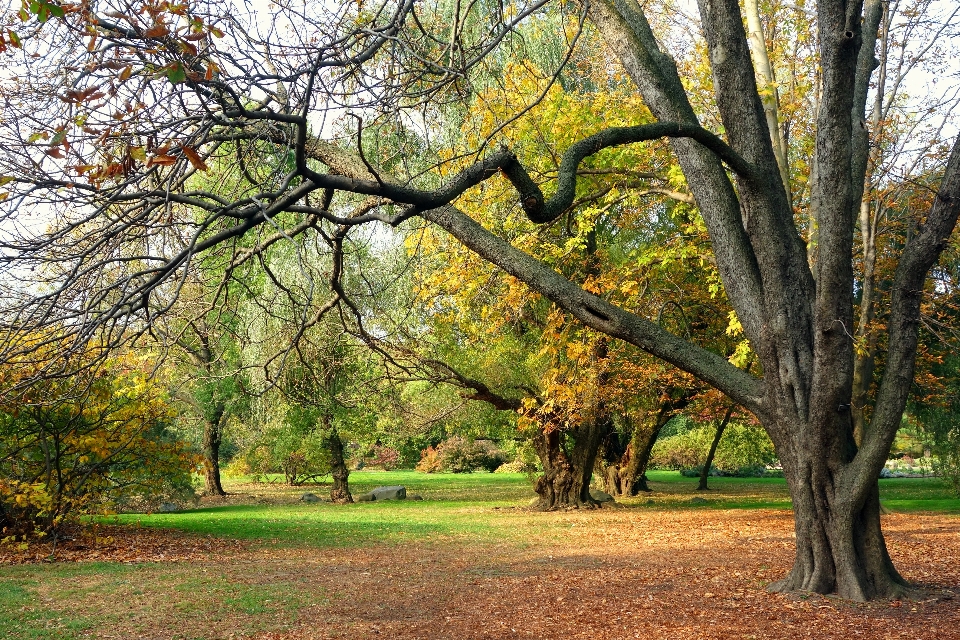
x=310, y=497
x=365, y=497
x=414, y=496
x=601, y=496
x=390, y=493
x=698, y=500
x=168, y=507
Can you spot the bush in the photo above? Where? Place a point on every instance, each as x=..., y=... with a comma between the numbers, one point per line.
x=90, y=443
x=460, y=455
x=744, y=450
x=430, y=461
x=384, y=457
x=747, y=471
x=524, y=459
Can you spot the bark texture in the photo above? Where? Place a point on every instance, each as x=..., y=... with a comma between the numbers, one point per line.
x=568, y=458
x=212, y=438
x=340, y=491
x=625, y=472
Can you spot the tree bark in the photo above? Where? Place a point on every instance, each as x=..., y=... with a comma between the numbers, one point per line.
x=839, y=545
x=340, y=491
x=212, y=437
x=628, y=476
x=705, y=472
x=568, y=459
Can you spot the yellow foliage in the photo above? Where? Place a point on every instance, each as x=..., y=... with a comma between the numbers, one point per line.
x=81, y=443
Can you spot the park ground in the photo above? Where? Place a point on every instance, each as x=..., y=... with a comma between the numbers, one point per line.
x=471, y=561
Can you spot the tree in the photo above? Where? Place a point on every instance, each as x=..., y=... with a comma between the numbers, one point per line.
x=205, y=345
x=85, y=444
x=102, y=142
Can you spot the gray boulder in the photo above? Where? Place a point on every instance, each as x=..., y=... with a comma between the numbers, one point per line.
x=365, y=497
x=168, y=507
x=310, y=497
x=390, y=493
x=601, y=496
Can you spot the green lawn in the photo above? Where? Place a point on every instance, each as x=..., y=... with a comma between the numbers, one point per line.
x=453, y=503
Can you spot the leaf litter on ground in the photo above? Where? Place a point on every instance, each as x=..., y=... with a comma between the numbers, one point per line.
x=613, y=573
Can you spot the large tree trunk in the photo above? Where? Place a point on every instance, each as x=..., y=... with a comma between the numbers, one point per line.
x=568, y=458
x=839, y=546
x=628, y=476
x=211, y=452
x=340, y=491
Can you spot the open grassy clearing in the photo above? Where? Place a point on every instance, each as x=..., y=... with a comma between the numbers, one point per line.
x=470, y=562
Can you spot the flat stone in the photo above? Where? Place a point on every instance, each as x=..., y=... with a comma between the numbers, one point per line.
x=310, y=497
x=365, y=497
x=168, y=507
x=390, y=493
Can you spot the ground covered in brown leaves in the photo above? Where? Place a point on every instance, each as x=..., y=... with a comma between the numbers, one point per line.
x=613, y=573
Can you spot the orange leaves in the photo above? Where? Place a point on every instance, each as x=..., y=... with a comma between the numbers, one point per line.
x=194, y=158
x=162, y=160
x=158, y=30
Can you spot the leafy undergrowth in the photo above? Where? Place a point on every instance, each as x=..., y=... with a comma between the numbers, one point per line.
x=488, y=570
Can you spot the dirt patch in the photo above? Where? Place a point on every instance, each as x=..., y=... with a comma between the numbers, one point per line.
x=634, y=575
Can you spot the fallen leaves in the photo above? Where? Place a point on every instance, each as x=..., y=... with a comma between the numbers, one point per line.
x=123, y=544
x=627, y=573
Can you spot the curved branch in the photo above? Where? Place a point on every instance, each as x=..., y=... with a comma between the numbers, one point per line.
x=542, y=211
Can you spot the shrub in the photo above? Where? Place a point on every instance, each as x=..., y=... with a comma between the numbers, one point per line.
x=744, y=450
x=89, y=443
x=460, y=455
x=384, y=457
x=525, y=459
x=430, y=461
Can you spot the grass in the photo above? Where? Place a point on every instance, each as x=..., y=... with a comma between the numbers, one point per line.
x=461, y=506
x=66, y=601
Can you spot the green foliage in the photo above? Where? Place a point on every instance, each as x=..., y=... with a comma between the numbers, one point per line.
x=462, y=455
x=677, y=425
x=522, y=458
x=743, y=449
x=293, y=443
x=939, y=425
